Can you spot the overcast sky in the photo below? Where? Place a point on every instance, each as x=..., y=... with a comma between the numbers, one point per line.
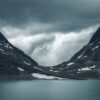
x=50, y=31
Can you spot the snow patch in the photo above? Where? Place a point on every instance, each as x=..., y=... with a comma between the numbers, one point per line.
x=42, y=76
x=37, y=68
x=27, y=63
x=1, y=44
x=20, y=69
x=71, y=63
x=55, y=71
x=91, y=44
x=85, y=56
x=93, y=66
x=95, y=48
x=78, y=72
x=81, y=55
x=87, y=68
x=84, y=69
x=51, y=70
x=8, y=46
x=2, y=50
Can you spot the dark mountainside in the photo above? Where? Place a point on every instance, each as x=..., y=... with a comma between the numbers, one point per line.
x=85, y=64
x=15, y=64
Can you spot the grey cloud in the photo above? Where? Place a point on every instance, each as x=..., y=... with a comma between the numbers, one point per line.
x=63, y=15
x=52, y=49
x=42, y=43
x=25, y=20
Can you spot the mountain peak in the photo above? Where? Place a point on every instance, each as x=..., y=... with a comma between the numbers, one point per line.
x=96, y=36
x=2, y=38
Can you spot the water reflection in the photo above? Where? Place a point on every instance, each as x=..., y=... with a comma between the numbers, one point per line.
x=50, y=90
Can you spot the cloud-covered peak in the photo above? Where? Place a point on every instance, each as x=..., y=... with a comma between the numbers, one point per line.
x=49, y=49
x=50, y=31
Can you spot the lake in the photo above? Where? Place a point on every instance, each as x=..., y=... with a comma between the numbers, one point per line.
x=50, y=90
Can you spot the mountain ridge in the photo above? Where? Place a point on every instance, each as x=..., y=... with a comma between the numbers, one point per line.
x=15, y=64
x=85, y=64
x=96, y=36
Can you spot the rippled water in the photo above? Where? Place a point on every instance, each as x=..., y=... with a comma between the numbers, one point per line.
x=50, y=90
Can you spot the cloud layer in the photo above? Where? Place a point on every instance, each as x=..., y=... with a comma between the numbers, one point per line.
x=49, y=49
x=50, y=31
x=54, y=15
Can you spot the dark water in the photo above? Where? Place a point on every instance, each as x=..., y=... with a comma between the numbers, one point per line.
x=50, y=90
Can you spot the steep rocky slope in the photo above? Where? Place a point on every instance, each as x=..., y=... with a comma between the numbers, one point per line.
x=84, y=64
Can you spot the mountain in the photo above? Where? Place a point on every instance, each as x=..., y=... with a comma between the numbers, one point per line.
x=85, y=64
x=15, y=64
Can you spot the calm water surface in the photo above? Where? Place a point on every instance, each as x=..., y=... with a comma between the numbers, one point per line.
x=50, y=90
